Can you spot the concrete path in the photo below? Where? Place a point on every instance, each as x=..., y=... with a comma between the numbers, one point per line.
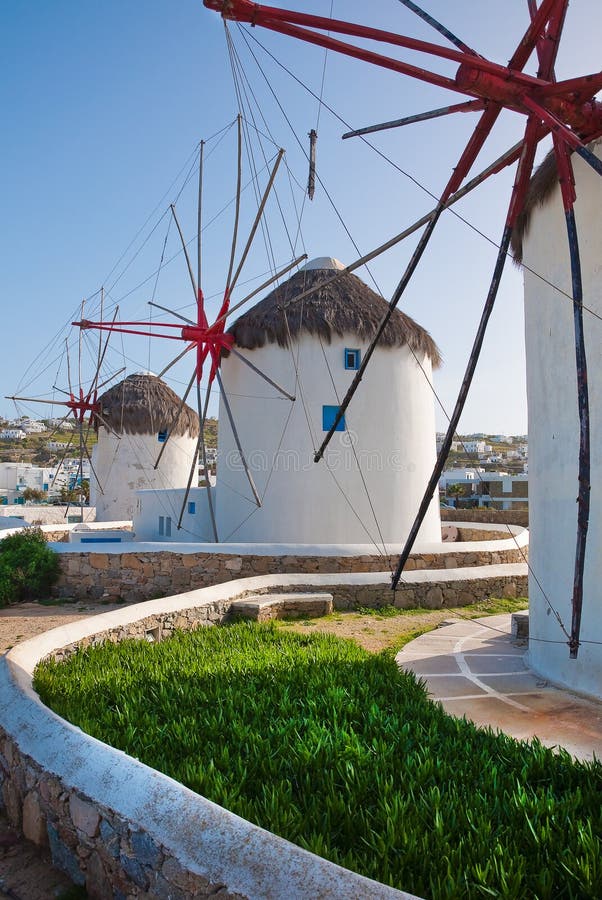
x=475, y=669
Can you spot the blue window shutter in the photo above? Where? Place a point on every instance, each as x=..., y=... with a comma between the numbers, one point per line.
x=329, y=414
x=352, y=358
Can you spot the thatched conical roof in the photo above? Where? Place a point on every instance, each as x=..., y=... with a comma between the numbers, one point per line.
x=541, y=188
x=143, y=404
x=344, y=306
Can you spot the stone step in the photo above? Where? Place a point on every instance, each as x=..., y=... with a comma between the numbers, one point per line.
x=519, y=625
x=264, y=607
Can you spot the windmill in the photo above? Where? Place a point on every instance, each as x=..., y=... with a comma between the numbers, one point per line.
x=82, y=407
x=566, y=110
x=207, y=341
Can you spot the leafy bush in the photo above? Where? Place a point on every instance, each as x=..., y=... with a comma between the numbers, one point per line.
x=342, y=753
x=28, y=567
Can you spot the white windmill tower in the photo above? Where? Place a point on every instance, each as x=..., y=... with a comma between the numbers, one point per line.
x=137, y=416
x=554, y=427
x=310, y=335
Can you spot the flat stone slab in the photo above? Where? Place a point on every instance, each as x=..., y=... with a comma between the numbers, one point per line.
x=265, y=607
x=520, y=625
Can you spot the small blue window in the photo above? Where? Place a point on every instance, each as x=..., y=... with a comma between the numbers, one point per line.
x=352, y=358
x=161, y=526
x=162, y=437
x=192, y=507
x=329, y=414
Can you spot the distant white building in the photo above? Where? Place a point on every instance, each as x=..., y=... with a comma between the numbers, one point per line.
x=16, y=477
x=30, y=426
x=65, y=424
x=12, y=434
x=476, y=447
x=452, y=476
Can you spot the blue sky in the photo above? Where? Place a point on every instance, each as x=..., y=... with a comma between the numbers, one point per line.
x=104, y=105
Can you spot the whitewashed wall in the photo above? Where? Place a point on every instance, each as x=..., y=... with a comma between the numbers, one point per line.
x=126, y=465
x=554, y=433
x=151, y=506
x=391, y=428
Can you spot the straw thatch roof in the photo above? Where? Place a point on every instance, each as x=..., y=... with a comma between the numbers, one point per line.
x=143, y=404
x=540, y=189
x=344, y=306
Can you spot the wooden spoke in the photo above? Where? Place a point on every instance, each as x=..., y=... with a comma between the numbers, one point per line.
x=237, y=206
x=185, y=250
x=261, y=374
x=175, y=360
x=175, y=419
x=237, y=440
x=426, y=17
x=171, y=312
x=261, y=288
x=257, y=220
x=469, y=106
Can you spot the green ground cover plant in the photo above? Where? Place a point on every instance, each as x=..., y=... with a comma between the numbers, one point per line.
x=28, y=567
x=339, y=751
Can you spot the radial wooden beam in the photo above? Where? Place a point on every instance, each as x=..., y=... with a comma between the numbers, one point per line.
x=263, y=375
x=243, y=458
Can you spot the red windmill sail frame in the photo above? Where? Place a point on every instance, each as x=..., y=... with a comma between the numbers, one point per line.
x=568, y=110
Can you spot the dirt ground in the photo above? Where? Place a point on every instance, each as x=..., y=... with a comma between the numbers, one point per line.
x=26, y=872
x=26, y=620
x=378, y=630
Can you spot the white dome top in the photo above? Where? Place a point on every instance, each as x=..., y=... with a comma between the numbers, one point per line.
x=323, y=262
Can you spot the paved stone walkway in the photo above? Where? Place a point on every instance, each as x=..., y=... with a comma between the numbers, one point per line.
x=475, y=669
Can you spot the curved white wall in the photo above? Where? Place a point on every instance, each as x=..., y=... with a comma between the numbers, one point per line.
x=391, y=425
x=554, y=433
x=126, y=465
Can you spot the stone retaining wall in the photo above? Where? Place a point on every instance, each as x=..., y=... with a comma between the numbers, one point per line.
x=498, y=516
x=137, y=576
x=93, y=845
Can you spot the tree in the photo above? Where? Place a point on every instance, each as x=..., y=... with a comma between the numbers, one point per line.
x=28, y=567
x=33, y=494
x=455, y=490
x=73, y=495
